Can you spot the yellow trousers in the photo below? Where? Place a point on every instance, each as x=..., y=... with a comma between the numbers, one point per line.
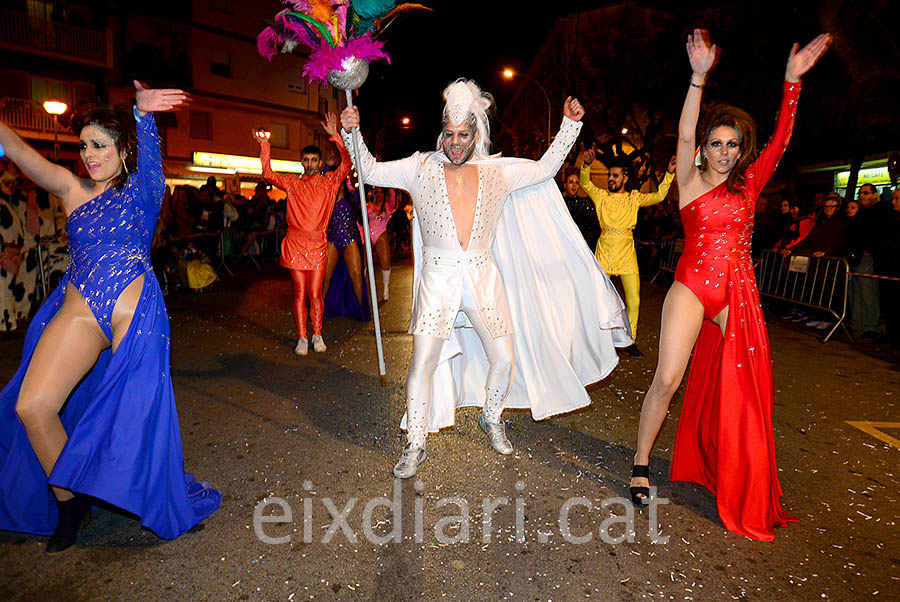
x=632, y=285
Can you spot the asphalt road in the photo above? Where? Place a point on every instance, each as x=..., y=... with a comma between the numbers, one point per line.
x=321, y=435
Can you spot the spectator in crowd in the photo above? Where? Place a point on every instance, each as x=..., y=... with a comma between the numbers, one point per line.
x=782, y=221
x=865, y=305
x=230, y=213
x=211, y=188
x=887, y=262
x=195, y=268
x=868, y=195
x=802, y=224
x=581, y=208
x=828, y=236
x=851, y=208
x=183, y=222
x=399, y=224
x=765, y=234
x=12, y=237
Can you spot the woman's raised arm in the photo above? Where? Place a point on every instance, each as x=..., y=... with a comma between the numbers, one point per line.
x=49, y=176
x=703, y=56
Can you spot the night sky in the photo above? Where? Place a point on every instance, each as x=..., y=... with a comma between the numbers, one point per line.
x=475, y=40
x=850, y=91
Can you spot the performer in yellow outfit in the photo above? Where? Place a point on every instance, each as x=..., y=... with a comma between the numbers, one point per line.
x=617, y=213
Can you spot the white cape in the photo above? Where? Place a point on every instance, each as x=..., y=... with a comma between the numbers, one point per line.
x=567, y=316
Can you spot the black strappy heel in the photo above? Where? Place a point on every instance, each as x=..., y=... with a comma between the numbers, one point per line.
x=640, y=472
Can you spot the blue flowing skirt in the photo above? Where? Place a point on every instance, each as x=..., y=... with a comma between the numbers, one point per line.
x=341, y=299
x=124, y=442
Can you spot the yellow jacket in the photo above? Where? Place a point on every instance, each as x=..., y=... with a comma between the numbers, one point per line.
x=617, y=215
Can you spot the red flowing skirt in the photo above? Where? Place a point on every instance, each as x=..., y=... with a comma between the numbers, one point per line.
x=724, y=439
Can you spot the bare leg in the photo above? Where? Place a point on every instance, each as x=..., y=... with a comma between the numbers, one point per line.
x=329, y=267
x=384, y=258
x=682, y=317
x=721, y=320
x=354, y=268
x=67, y=350
x=384, y=252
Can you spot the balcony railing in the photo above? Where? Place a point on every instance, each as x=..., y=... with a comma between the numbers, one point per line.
x=23, y=32
x=24, y=114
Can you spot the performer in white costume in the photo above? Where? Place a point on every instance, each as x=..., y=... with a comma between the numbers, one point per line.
x=534, y=342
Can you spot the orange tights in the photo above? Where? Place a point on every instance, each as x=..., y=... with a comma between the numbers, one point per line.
x=308, y=283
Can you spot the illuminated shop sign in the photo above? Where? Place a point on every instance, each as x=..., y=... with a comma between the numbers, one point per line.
x=873, y=175
x=244, y=164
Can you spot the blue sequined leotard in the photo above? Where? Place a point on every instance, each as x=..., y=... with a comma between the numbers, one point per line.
x=110, y=235
x=124, y=442
x=342, y=230
x=341, y=299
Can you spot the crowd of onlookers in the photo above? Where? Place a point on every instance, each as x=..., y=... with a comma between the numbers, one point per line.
x=200, y=225
x=865, y=231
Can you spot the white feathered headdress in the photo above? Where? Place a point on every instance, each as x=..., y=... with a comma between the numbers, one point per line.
x=464, y=102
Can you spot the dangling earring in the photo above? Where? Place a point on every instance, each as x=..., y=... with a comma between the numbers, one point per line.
x=124, y=166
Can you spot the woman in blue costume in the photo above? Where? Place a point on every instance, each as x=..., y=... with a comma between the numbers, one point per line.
x=90, y=413
x=344, y=295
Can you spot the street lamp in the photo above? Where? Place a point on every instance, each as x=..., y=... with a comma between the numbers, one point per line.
x=55, y=108
x=509, y=74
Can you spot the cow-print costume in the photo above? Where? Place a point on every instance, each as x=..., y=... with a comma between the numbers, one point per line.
x=20, y=292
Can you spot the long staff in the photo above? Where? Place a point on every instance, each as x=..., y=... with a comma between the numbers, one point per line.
x=368, y=244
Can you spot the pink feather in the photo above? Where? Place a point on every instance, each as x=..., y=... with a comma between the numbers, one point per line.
x=267, y=43
x=325, y=59
x=301, y=6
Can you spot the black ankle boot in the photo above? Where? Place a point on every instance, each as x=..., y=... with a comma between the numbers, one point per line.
x=71, y=513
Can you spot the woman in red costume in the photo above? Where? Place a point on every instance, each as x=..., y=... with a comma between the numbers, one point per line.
x=724, y=439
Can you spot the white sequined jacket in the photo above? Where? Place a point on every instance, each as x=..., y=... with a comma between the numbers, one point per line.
x=446, y=266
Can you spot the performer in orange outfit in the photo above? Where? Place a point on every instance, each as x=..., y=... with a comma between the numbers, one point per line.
x=724, y=439
x=304, y=251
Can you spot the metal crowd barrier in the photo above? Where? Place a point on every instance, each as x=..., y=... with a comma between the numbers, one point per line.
x=669, y=253
x=815, y=282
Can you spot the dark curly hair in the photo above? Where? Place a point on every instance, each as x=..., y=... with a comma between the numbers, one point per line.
x=118, y=123
x=745, y=127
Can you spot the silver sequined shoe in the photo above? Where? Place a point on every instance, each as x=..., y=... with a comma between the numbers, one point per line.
x=497, y=432
x=409, y=461
x=302, y=347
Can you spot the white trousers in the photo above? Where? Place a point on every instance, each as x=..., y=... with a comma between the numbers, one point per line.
x=425, y=357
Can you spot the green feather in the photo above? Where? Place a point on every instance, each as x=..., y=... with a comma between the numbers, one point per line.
x=326, y=35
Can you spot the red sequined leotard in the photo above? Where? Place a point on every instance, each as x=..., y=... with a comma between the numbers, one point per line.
x=724, y=439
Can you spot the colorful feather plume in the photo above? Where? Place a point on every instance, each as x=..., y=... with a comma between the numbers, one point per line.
x=332, y=29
